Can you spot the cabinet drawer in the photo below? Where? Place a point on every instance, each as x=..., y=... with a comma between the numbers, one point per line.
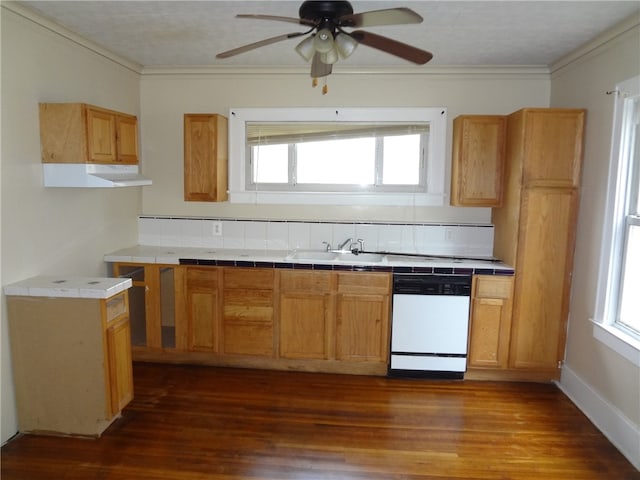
x=202, y=278
x=492, y=287
x=248, y=278
x=363, y=283
x=116, y=306
x=316, y=282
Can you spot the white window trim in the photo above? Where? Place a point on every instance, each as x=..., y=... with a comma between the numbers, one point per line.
x=436, y=193
x=604, y=328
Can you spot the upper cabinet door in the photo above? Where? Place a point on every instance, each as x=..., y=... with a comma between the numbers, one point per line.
x=552, y=147
x=101, y=131
x=477, y=160
x=205, y=158
x=127, y=139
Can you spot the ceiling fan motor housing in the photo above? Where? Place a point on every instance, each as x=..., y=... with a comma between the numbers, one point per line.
x=316, y=11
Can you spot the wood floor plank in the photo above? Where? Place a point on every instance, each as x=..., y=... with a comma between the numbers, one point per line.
x=188, y=423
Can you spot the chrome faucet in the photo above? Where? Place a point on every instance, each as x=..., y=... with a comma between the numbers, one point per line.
x=348, y=246
x=342, y=248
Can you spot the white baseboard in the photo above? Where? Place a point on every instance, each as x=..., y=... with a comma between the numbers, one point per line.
x=620, y=431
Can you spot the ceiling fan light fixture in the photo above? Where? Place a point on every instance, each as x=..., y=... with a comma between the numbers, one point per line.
x=323, y=41
x=330, y=57
x=306, y=48
x=345, y=44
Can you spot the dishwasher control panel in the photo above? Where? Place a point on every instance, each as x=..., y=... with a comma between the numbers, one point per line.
x=416, y=284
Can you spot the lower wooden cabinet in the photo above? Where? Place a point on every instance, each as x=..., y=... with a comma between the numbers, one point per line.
x=153, y=306
x=362, y=317
x=306, y=314
x=71, y=361
x=262, y=317
x=247, y=305
x=340, y=317
x=490, y=322
x=202, y=302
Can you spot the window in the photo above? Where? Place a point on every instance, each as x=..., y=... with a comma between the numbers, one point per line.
x=629, y=298
x=618, y=301
x=338, y=156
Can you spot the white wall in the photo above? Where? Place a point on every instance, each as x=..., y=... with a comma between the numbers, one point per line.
x=166, y=97
x=604, y=384
x=47, y=230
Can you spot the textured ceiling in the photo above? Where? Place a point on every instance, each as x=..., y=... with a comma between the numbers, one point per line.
x=467, y=33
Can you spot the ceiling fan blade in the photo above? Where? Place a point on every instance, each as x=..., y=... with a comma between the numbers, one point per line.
x=390, y=16
x=299, y=21
x=319, y=68
x=393, y=47
x=261, y=43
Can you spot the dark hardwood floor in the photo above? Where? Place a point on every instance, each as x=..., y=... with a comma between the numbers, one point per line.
x=189, y=423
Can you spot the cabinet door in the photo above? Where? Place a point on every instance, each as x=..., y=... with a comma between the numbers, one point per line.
x=202, y=303
x=478, y=159
x=205, y=158
x=362, y=317
x=306, y=315
x=490, y=323
x=543, y=275
x=361, y=328
x=120, y=364
x=304, y=325
x=101, y=132
x=247, y=311
x=552, y=147
x=127, y=139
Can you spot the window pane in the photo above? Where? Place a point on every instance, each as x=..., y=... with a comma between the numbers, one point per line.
x=270, y=163
x=401, y=156
x=630, y=298
x=634, y=155
x=350, y=161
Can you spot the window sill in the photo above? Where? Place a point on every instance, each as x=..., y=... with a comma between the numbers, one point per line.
x=338, y=198
x=618, y=341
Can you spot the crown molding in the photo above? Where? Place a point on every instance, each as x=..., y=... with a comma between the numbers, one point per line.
x=434, y=70
x=594, y=46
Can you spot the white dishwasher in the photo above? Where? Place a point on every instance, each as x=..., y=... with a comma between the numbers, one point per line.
x=430, y=325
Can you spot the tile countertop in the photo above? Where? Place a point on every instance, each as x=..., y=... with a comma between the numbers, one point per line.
x=282, y=259
x=68, y=287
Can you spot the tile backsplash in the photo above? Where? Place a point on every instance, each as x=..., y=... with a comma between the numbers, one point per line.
x=435, y=239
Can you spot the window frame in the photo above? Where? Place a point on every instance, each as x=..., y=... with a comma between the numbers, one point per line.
x=619, y=194
x=434, y=193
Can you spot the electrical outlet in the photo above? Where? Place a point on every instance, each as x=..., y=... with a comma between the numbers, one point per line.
x=216, y=229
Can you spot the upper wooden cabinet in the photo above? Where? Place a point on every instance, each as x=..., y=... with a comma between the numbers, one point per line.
x=205, y=158
x=477, y=160
x=535, y=231
x=81, y=133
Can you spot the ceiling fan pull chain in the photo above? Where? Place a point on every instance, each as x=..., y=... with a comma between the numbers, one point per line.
x=314, y=82
x=325, y=87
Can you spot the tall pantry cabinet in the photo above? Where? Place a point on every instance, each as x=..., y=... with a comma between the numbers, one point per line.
x=535, y=232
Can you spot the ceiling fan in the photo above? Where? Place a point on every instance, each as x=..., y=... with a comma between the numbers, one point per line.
x=329, y=40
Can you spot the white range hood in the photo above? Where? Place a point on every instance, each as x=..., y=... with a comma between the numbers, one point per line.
x=92, y=175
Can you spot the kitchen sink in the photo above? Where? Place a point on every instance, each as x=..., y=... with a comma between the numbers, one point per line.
x=346, y=257
x=312, y=255
x=360, y=257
